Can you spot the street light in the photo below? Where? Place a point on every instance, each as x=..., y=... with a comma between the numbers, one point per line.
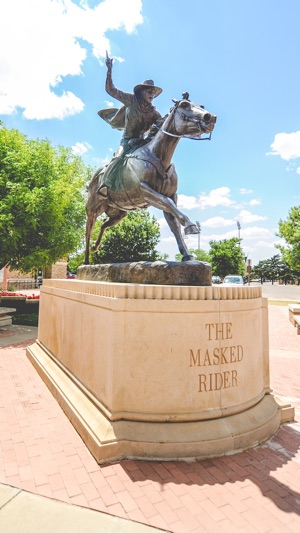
x=199, y=233
x=239, y=231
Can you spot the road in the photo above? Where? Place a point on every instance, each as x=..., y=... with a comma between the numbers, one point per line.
x=280, y=292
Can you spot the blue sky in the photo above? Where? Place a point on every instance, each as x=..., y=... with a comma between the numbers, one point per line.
x=239, y=58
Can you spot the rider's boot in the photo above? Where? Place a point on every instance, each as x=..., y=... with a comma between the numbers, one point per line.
x=109, y=173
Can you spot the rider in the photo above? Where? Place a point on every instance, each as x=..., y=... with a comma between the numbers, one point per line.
x=135, y=117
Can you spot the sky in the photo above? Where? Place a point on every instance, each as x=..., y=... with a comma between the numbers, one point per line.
x=239, y=58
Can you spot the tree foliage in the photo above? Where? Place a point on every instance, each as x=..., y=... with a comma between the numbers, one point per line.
x=289, y=230
x=272, y=269
x=134, y=239
x=42, y=209
x=198, y=254
x=227, y=257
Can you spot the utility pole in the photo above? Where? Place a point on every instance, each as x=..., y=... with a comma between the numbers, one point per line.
x=199, y=233
x=239, y=231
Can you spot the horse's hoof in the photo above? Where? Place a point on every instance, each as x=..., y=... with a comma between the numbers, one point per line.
x=187, y=258
x=191, y=229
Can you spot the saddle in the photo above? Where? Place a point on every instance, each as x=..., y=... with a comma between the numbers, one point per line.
x=110, y=174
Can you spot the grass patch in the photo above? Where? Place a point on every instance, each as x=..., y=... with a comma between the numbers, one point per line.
x=282, y=302
x=25, y=319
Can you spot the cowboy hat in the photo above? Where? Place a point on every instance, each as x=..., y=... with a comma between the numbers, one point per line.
x=148, y=84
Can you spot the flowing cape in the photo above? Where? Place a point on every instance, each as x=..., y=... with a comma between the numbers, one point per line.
x=114, y=117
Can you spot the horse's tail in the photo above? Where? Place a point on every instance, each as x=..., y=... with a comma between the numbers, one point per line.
x=95, y=178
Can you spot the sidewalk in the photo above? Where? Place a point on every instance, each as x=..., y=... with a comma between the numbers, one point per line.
x=50, y=482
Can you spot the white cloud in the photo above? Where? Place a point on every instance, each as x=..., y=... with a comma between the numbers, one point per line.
x=298, y=170
x=162, y=223
x=246, y=217
x=246, y=191
x=81, y=148
x=256, y=233
x=187, y=202
x=215, y=198
x=286, y=145
x=109, y=103
x=250, y=233
x=257, y=242
x=218, y=222
x=254, y=201
x=264, y=244
x=168, y=239
x=43, y=41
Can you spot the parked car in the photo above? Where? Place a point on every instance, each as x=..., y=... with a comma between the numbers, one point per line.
x=233, y=279
x=216, y=279
x=71, y=276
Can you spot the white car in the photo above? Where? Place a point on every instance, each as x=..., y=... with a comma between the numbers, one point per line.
x=233, y=280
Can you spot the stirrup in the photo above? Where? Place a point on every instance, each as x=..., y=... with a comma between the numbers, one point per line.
x=102, y=191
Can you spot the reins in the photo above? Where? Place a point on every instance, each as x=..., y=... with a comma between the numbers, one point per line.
x=186, y=136
x=198, y=138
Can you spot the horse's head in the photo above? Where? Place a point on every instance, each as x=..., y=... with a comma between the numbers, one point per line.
x=190, y=120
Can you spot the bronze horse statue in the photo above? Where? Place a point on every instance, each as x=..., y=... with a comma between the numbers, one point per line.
x=147, y=177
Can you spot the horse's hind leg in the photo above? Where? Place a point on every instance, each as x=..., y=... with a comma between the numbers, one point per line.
x=91, y=219
x=115, y=216
x=92, y=214
x=176, y=230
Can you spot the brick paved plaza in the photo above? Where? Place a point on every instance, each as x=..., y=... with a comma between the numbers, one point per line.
x=254, y=491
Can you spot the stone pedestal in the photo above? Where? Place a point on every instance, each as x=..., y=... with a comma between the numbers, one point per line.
x=158, y=371
x=191, y=273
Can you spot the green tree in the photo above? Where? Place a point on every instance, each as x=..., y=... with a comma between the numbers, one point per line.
x=199, y=255
x=272, y=269
x=260, y=271
x=276, y=268
x=227, y=257
x=74, y=261
x=42, y=209
x=134, y=239
x=289, y=230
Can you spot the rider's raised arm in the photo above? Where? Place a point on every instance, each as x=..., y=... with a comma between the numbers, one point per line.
x=122, y=96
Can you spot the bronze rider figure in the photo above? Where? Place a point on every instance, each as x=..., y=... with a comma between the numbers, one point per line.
x=135, y=117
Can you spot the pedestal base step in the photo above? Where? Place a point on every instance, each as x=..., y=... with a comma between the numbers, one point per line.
x=110, y=441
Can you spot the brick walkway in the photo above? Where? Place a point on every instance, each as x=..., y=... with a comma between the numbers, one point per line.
x=254, y=491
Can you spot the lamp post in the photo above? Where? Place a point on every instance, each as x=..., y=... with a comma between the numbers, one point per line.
x=199, y=233
x=239, y=231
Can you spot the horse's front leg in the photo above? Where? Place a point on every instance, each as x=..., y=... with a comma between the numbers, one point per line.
x=167, y=204
x=175, y=228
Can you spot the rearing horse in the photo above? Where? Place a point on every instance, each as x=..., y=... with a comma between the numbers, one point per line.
x=147, y=177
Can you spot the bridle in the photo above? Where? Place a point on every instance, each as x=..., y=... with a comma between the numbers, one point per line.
x=187, y=119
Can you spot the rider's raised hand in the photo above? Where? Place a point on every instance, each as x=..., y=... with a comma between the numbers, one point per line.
x=108, y=61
